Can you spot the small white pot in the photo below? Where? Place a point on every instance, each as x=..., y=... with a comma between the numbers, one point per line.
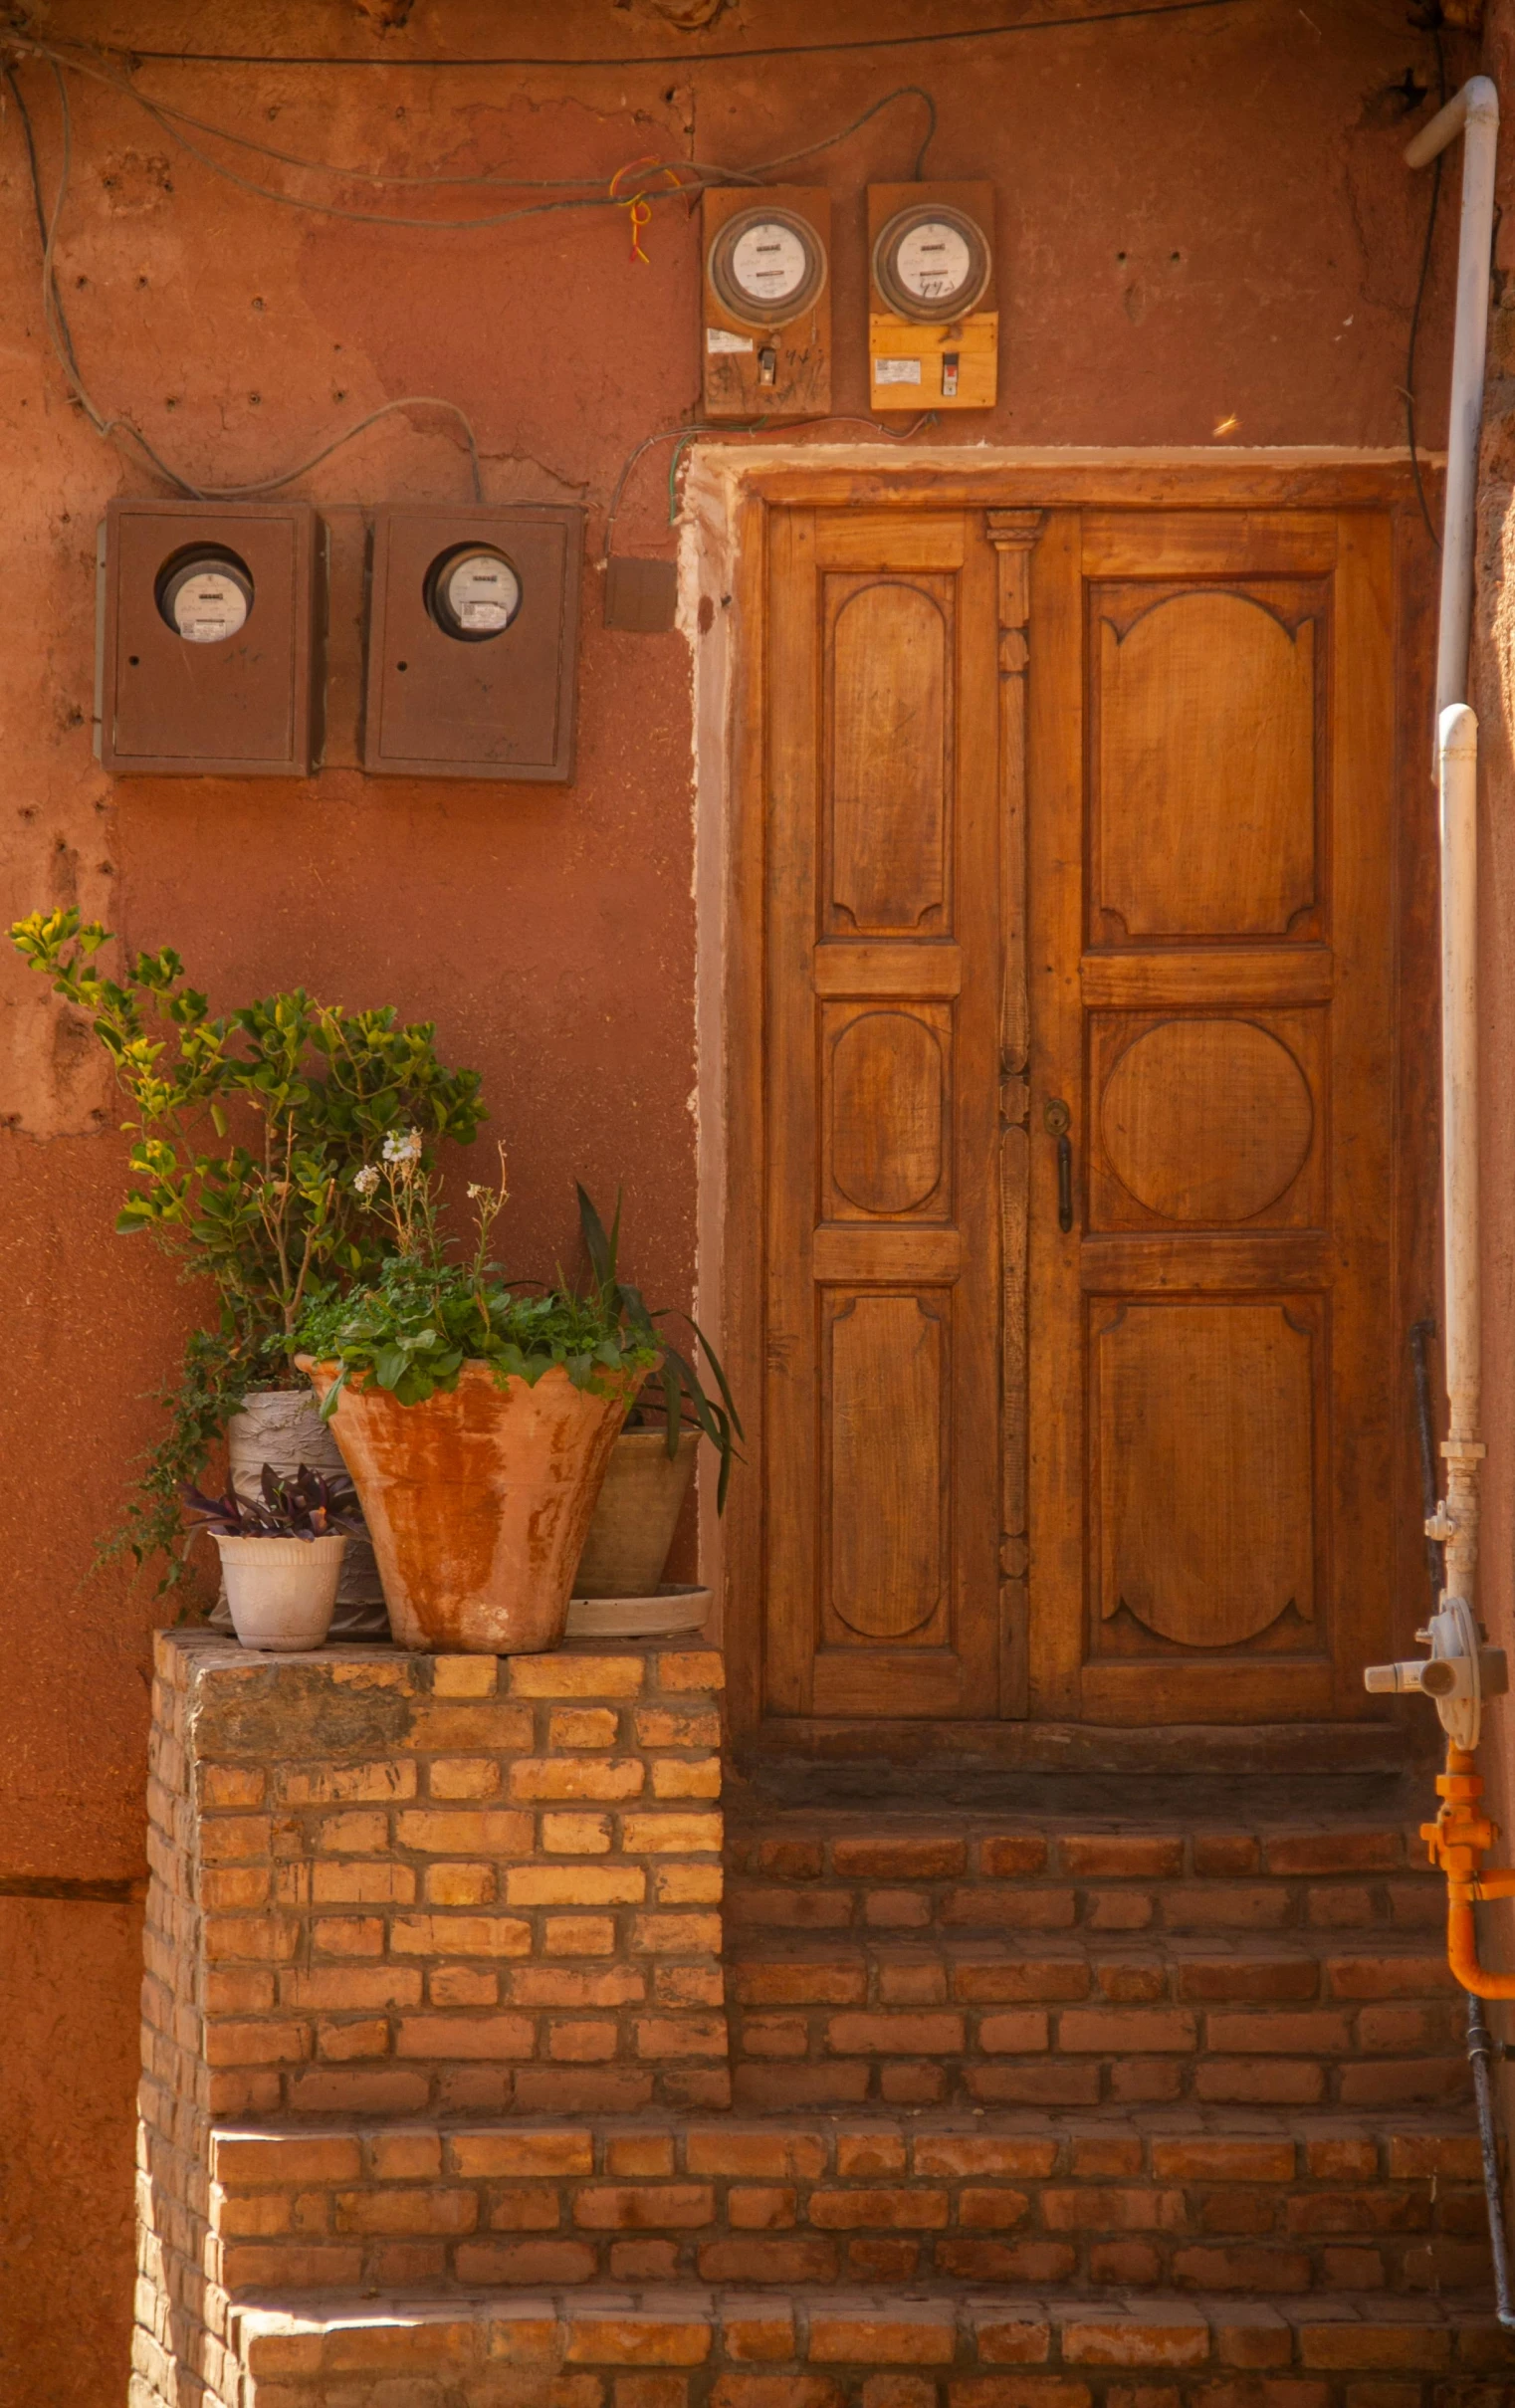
x=283, y=1426
x=282, y=1591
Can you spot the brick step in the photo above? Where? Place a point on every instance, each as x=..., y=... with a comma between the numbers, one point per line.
x=837, y=1871
x=1075, y=2018
x=1174, y=2199
x=677, y=2348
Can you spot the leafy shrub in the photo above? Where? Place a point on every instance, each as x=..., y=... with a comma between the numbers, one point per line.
x=249, y=1130
x=413, y=1328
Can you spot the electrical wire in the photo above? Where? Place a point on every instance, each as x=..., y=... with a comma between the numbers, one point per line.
x=1409, y=387
x=112, y=429
x=163, y=110
x=169, y=122
x=294, y=201
x=116, y=429
x=667, y=58
x=682, y=436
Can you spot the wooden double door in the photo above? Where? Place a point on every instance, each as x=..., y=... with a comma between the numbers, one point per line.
x=1068, y=934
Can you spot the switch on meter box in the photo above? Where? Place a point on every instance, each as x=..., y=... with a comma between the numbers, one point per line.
x=207, y=640
x=473, y=636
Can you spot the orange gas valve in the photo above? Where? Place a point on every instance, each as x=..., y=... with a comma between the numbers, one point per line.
x=1457, y=1676
x=1457, y=1840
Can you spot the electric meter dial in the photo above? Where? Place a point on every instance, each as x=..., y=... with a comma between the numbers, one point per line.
x=474, y=594
x=767, y=266
x=206, y=598
x=932, y=264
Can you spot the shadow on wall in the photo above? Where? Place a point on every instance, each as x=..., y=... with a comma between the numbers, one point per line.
x=67, y=2076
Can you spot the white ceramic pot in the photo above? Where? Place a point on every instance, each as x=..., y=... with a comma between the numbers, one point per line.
x=283, y=1426
x=282, y=1591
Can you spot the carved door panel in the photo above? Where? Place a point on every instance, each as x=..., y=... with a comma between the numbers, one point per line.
x=881, y=1046
x=1211, y=772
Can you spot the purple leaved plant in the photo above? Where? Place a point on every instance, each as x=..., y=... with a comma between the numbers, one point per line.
x=309, y=1506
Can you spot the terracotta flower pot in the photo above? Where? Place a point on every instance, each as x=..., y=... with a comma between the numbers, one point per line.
x=477, y=1501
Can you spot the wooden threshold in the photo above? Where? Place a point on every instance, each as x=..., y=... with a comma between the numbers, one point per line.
x=1062, y=1747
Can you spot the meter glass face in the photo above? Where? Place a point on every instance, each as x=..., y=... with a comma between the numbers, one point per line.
x=476, y=593
x=933, y=262
x=767, y=266
x=768, y=262
x=208, y=599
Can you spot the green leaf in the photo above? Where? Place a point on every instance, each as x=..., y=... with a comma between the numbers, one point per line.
x=391, y=1363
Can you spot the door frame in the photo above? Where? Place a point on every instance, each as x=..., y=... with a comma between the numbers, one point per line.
x=729, y=497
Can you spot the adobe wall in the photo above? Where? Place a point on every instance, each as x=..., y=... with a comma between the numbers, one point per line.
x=1206, y=235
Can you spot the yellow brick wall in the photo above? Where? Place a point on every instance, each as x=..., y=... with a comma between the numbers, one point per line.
x=388, y=1886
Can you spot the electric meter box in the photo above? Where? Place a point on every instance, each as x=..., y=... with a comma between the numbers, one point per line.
x=766, y=335
x=473, y=639
x=206, y=658
x=932, y=314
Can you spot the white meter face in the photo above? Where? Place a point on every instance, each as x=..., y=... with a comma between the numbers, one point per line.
x=768, y=262
x=767, y=266
x=482, y=592
x=207, y=601
x=473, y=593
x=933, y=262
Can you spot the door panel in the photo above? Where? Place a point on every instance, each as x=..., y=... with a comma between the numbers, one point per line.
x=1209, y=780
x=1184, y=756
x=882, y=1105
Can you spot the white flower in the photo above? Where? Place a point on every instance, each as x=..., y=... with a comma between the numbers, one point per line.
x=475, y=1192
x=365, y=1180
x=402, y=1146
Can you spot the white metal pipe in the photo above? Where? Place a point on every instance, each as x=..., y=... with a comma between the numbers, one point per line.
x=1458, y=779
x=1474, y=113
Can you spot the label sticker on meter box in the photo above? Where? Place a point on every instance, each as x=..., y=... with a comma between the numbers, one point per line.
x=896, y=371
x=718, y=338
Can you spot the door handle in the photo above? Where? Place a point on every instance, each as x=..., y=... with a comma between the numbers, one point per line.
x=1057, y=1120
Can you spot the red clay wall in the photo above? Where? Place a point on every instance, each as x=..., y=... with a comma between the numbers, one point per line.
x=1205, y=234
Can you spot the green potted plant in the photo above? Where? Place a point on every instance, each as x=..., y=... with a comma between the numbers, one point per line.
x=280, y=1554
x=246, y=1131
x=477, y=1418
x=618, y=1588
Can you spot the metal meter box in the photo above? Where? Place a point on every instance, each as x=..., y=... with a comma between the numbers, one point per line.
x=207, y=640
x=767, y=337
x=932, y=312
x=473, y=638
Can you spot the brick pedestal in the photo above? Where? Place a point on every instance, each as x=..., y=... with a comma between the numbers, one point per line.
x=391, y=1887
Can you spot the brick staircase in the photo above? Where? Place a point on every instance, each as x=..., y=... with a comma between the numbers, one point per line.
x=1055, y=2111
x=980, y=1963
x=1254, y=2203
